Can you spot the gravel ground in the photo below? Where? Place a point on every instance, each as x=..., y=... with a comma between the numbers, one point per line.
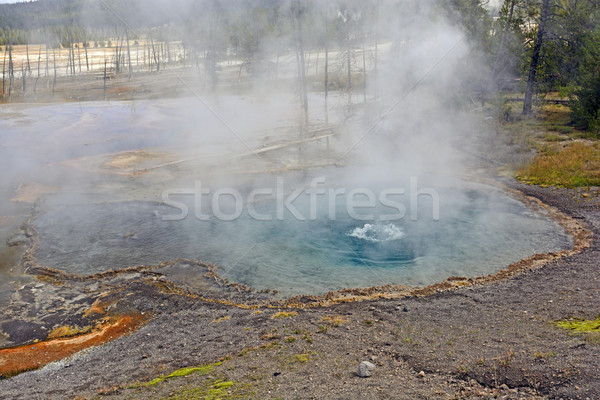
x=491, y=341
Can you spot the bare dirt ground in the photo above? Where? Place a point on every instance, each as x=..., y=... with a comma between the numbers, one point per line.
x=491, y=341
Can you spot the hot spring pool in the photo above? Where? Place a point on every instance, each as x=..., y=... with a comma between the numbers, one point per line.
x=480, y=231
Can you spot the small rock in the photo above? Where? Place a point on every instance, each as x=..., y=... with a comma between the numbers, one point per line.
x=365, y=369
x=421, y=374
x=373, y=358
x=276, y=373
x=405, y=309
x=145, y=356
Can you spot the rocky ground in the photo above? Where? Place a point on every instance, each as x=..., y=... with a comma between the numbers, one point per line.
x=498, y=340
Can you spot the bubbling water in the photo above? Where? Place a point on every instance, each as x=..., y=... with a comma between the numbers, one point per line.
x=377, y=232
x=480, y=231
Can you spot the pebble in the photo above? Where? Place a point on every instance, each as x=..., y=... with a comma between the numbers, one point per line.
x=421, y=374
x=365, y=369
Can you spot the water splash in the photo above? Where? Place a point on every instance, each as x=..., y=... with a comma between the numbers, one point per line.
x=377, y=233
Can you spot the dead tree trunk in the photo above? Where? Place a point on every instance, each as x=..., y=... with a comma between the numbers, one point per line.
x=87, y=60
x=349, y=56
x=72, y=47
x=501, y=48
x=28, y=68
x=535, y=58
x=11, y=71
x=24, y=78
x=39, y=61
x=4, y=75
x=47, y=62
x=364, y=60
x=54, y=81
x=105, y=77
x=128, y=54
x=68, y=67
x=297, y=27
x=375, y=69
x=79, y=56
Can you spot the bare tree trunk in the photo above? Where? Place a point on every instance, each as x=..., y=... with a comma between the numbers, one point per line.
x=375, y=69
x=297, y=26
x=501, y=48
x=73, y=56
x=54, y=81
x=24, y=79
x=168, y=51
x=79, y=56
x=39, y=61
x=4, y=75
x=28, y=68
x=364, y=57
x=535, y=58
x=68, y=70
x=105, y=63
x=349, y=56
x=11, y=72
x=87, y=60
x=47, y=62
x=128, y=54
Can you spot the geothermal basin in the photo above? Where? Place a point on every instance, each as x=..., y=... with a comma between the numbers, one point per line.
x=310, y=245
x=104, y=215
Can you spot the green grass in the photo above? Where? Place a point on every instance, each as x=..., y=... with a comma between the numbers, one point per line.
x=577, y=165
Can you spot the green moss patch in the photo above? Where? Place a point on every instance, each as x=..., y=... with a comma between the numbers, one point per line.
x=581, y=325
x=212, y=391
x=202, y=370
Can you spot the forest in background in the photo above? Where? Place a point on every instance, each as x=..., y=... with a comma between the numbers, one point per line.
x=547, y=45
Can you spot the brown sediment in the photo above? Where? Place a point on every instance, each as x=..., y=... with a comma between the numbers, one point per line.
x=123, y=163
x=24, y=358
x=31, y=192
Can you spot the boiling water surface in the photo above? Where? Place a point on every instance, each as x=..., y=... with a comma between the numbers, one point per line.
x=480, y=231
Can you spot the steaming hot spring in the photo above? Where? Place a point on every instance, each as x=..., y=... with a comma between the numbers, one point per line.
x=304, y=232
x=306, y=243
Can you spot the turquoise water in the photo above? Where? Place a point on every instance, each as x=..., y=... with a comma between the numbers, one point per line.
x=480, y=231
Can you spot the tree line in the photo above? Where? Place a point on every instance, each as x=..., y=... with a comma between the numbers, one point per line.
x=550, y=45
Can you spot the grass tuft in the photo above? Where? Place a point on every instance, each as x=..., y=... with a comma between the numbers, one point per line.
x=284, y=314
x=577, y=165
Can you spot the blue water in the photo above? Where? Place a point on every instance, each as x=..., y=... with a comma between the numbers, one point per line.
x=480, y=231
